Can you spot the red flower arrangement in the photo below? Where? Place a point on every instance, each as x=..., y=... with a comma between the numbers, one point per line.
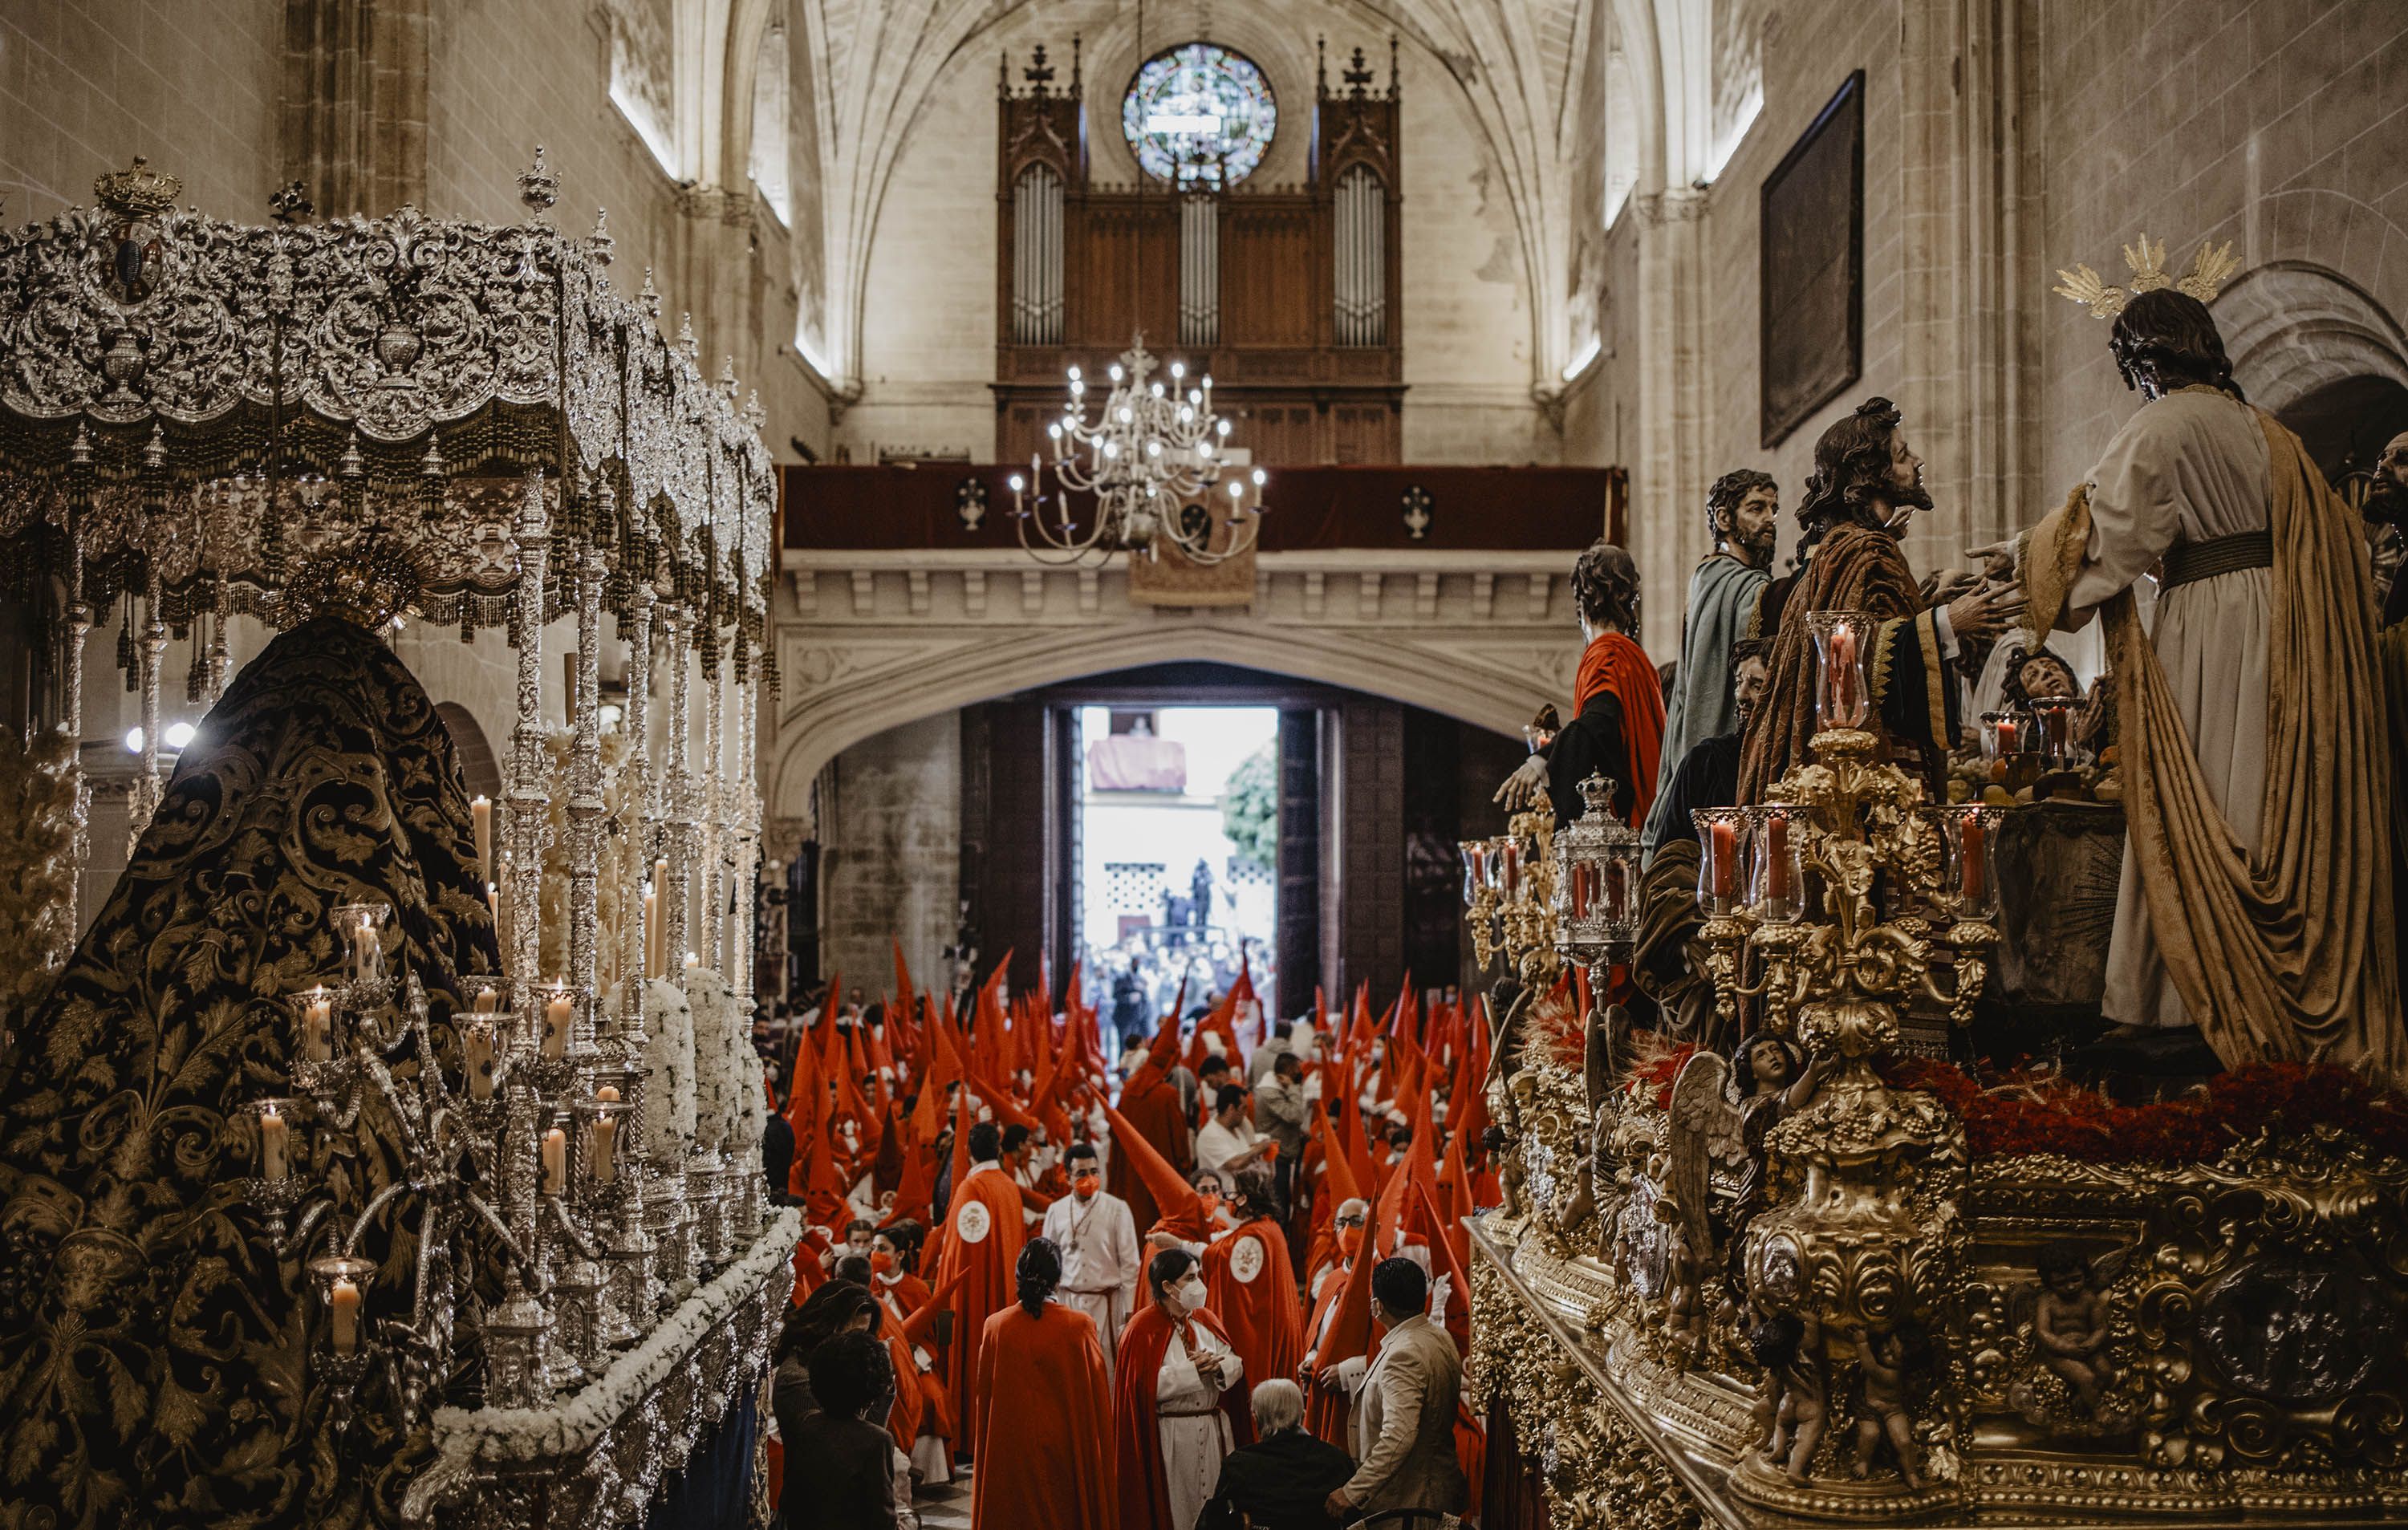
x=2025, y=1114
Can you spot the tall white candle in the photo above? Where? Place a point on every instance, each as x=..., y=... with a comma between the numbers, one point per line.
x=556, y=1162
x=272, y=1141
x=481, y=809
x=343, y=1307
x=557, y=1008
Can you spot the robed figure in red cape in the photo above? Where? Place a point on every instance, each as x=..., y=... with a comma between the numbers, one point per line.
x=1329, y=1409
x=1047, y=1459
x=1179, y=1401
x=1617, y=725
x=982, y=1239
x=1253, y=1284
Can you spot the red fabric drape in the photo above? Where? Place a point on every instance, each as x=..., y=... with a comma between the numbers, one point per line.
x=1613, y=662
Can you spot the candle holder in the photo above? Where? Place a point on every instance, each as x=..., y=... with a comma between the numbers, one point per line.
x=2053, y=720
x=362, y=928
x=276, y=1188
x=1722, y=836
x=1777, y=888
x=1969, y=887
x=1475, y=869
x=1842, y=640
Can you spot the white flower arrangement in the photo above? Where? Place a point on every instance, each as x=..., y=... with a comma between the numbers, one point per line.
x=722, y=1043
x=578, y=1422
x=669, y=1054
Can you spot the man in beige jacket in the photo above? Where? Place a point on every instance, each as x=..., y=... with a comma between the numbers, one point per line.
x=1404, y=1419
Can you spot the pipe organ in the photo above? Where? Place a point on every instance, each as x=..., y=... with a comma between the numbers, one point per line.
x=1286, y=293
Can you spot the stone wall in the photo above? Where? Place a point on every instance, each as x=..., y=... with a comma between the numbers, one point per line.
x=2001, y=144
x=889, y=822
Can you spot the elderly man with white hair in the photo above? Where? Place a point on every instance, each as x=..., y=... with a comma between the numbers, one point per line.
x=1282, y=1480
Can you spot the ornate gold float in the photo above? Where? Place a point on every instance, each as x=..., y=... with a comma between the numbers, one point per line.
x=1780, y=1285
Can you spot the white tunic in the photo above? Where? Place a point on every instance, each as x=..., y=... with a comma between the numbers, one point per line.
x=2189, y=467
x=1100, y=1260
x=1194, y=1442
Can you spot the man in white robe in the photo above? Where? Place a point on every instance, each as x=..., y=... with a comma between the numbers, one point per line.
x=1744, y=514
x=1100, y=1257
x=2286, y=944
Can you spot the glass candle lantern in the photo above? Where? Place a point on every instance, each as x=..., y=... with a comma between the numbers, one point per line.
x=480, y=1041
x=1843, y=646
x=315, y=1018
x=1722, y=836
x=1597, y=880
x=362, y=927
x=1777, y=883
x=1969, y=838
x=2053, y=719
x=343, y=1286
x=2001, y=739
x=1508, y=852
x=278, y=1145
x=1475, y=868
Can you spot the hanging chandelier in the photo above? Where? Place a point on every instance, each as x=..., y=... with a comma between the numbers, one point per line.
x=1154, y=460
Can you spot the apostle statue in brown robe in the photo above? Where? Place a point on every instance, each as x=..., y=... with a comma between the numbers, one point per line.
x=1867, y=483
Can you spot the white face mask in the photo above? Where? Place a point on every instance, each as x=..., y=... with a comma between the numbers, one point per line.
x=1191, y=1295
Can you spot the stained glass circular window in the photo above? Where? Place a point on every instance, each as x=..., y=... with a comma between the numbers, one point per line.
x=1199, y=114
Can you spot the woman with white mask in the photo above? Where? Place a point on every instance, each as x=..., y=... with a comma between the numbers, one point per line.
x=1179, y=1404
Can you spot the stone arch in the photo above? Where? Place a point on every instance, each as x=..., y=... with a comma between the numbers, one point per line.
x=2293, y=328
x=478, y=767
x=831, y=718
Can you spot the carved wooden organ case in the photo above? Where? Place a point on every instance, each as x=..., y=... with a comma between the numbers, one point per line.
x=1287, y=295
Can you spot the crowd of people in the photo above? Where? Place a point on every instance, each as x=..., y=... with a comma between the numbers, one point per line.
x=1216, y=1280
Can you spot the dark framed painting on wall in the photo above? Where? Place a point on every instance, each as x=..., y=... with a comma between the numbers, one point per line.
x=1811, y=318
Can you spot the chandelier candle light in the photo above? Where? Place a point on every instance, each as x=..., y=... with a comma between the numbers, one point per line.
x=1154, y=460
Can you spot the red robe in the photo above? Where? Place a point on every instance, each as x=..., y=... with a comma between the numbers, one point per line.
x=1155, y=1113
x=1265, y=1327
x=1047, y=1459
x=1326, y=1412
x=1144, y=1487
x=982, y=1239
x=933, y=1410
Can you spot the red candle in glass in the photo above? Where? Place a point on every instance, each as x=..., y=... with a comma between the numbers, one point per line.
x=1511, y=866
x=2006, y=736
x=1726, y=854
x=1974, y=860
x=1776, y=857
x=1844, y=673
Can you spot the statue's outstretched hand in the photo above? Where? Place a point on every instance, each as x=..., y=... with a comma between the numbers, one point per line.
x=1997, y=561
x=1522, y=787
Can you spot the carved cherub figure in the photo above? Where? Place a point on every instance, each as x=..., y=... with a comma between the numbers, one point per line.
x=2069, y=1325
x=1880, y=1371
x=1791, y=1408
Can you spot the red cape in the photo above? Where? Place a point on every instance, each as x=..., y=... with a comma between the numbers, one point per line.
x=985, y=1265
x=1613, y=662
x=1265, y=1326
x=1326, y=1410
x=1144, y=1487
x=1047, y=1459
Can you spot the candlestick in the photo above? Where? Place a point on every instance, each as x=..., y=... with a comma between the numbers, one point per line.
x=478, y=1047
x=1974, y=860
x=481, y=808
x=606, y=1132
x=317, y=1026
x=343, y=1306
x=557, y=1008
x=272, y=1141
x=652, y=932
x=556, y=1162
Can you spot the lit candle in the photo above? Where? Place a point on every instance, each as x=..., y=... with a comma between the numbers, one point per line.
x=479, y=1047
x=556, y=1162
x=272, y=1139
x=481, y=809
x=1725, y=849
x=1776, y=858
x=1510, y=866
x=692, y=961
x=556, y=1010
x=343, y=1306
x=1974, y=860
x=606, y=1132
x=366, y=954
x=488, y=1002
x=317, y=1026
x=2006, y=736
